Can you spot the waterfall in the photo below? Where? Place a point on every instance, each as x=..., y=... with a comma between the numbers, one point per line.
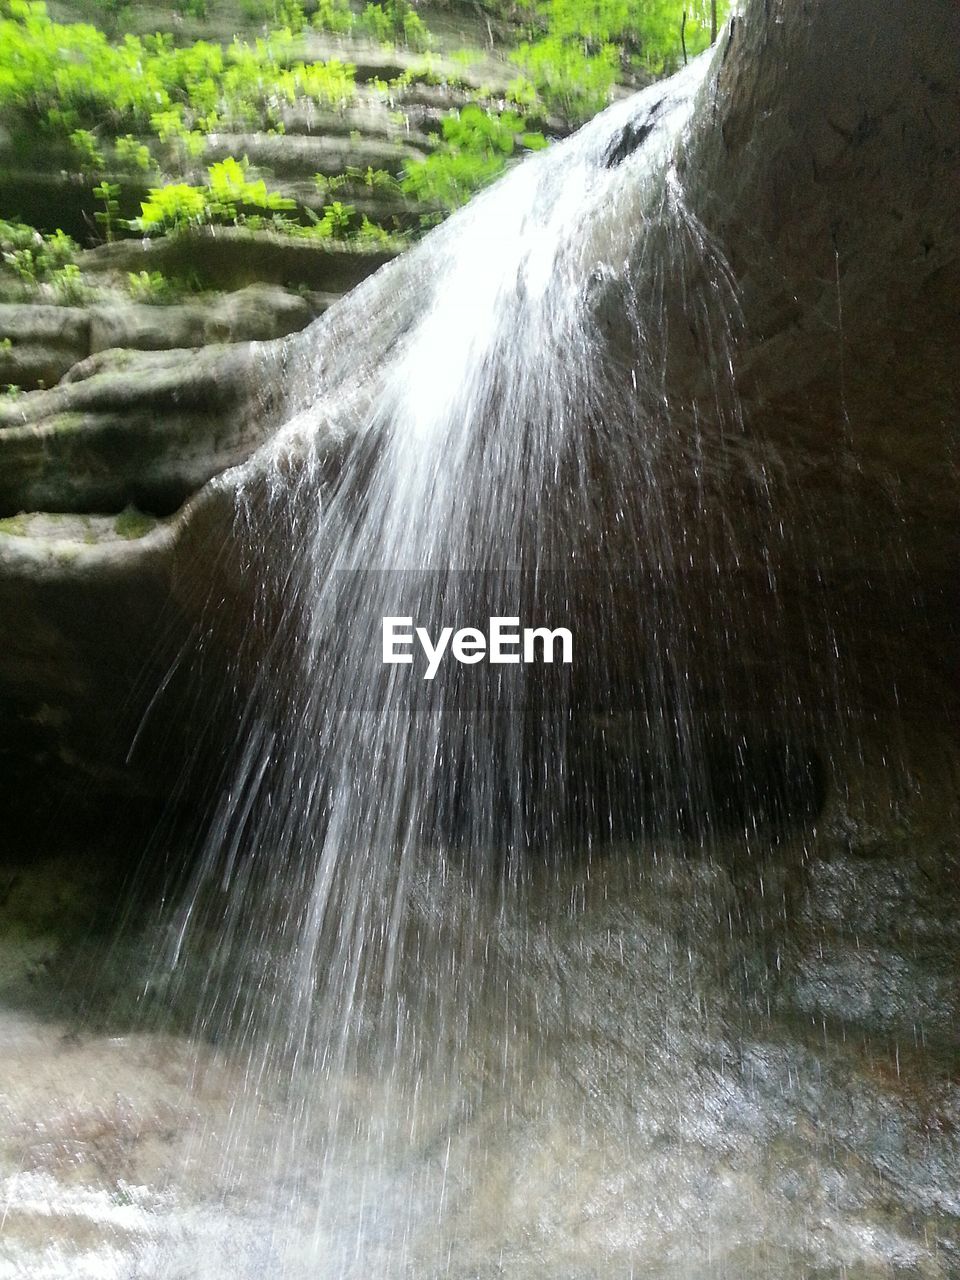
x=490, y=427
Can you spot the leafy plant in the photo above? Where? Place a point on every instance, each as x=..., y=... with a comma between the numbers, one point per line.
x=227, y=193
x=59, y=249
x=335, y=16
x=68, y=285
x=17, y=235
x=109, y=216
x=172, y=207
x=577, y=51
x=395, y=21
x=372, y=233
x=375, y=23
x=335, y=223
x=183, y=145
x=229, y=189
x=116, y=11
x=151, y=287
x=133, y=155
x=86, y=150
x=358, y=179
x=32, y=257
x=570, y=81
x=70, y=77
x=478, y=144
x=289, y=15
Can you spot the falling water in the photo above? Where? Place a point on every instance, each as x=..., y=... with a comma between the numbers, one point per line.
x=468, y=954
x=505, y=456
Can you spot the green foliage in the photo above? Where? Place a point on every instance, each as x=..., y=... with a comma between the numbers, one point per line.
x=479, y=131
x=151, y=287
x=256, y=10
x=32, y=257
x=578, y=50
x=183, y=146
x=335, y=223
x=395, y=22
x=335, y=16
x=568, y=80
x=477, y=145
x=115, y=11
x=108, y=194
x=227, y=193
x=72, y=79
x=374, y=22
x=355, y=178
x=132, y=155
x=172, y=207
x=191, y=8
x=68, y=286
x=58, y=250
x=86, y=150
x=449, y=179
x=17, y=235
x=229, y=189
x=131, y=523
x=373, y=234
x=467, y=57
x=149, y=104
x=289, y=15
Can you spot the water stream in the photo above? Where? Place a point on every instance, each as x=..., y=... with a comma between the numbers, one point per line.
x=523, y=971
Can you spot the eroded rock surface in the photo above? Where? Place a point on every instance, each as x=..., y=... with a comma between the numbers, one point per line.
x=819, y=167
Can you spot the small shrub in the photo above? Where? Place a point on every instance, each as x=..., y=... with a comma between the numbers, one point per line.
x=224, y=198
x=229, y=189
x=335, y=16
x=372, y=233
x=477, y=145
x=17, y=235
x=23, y=263
x=151, y=287
x=336, y=221
x=108, y=194
x=171, y=208
x=375, y=23
x=33, y=257
x=192, y=8
x=395, y=22
x=289, y=15
x=133, y=155
x=86, y=151
x=256, y=10
x=570, y=81
x=58, y=250
x=68, y=286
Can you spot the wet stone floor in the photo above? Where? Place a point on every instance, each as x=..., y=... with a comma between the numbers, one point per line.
x=674, y=1066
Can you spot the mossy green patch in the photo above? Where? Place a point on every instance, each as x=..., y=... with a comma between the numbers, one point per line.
x=131, y=523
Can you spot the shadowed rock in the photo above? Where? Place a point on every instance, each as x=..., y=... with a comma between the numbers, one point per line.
x=819, y=166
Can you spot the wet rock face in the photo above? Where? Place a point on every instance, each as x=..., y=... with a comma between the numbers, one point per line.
x=747, y=1049
x=633, y=137
x=819, y=165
